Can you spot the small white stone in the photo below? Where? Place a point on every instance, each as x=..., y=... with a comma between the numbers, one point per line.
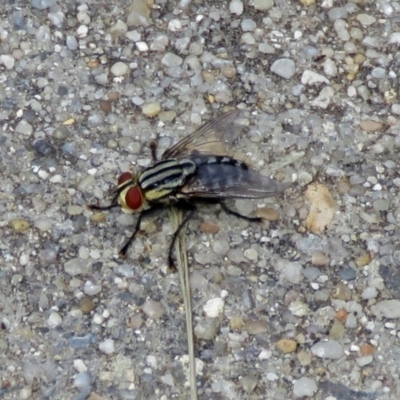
x=54, y=320
x=236, y=7
x=7, y=60
x=174, y=25
x=142, y=46
x=97, y=319
x=79, y=365
x=107, y=347
x=305, y=387
x=312, y=78
x=119, y=69
x=82, y=31
x=251, y=254
x=214, y=307
x=324, y=98
x=351, y=91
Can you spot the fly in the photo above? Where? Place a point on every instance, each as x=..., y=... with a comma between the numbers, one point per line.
x=197, y=168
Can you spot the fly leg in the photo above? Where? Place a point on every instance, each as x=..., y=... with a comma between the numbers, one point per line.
x=153, y=149
x=236, y=214
x=191, y=211
x=114, y=203
x=143, y=214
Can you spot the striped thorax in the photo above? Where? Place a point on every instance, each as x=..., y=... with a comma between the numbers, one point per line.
x=154, y=183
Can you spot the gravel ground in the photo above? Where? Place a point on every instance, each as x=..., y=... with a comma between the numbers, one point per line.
x=304, y=305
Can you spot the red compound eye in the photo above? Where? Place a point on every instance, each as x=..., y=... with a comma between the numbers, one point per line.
x=125, y=177
x=133, y=198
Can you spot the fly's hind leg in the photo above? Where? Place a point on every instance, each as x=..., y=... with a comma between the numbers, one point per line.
x=191, y=211
x=236, y=214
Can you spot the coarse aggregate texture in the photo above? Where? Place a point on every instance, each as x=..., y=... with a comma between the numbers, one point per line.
x=282, y=309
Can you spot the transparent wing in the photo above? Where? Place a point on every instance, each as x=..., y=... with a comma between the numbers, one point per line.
x=230, y=181
x=211, y=138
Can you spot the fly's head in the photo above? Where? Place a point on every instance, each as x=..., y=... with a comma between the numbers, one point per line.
x=130, y=195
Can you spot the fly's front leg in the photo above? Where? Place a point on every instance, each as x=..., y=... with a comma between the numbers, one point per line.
x=143, y=214
x=236, y=214
x=191, y=211
x=153, y=149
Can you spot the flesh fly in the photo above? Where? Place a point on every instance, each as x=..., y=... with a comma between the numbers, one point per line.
x=196, y=169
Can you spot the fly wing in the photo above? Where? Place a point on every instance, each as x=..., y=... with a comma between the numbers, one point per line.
x=211, y=138
x=230, y=181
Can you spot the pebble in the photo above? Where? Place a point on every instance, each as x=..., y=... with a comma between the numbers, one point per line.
x=330, y=349
x=91, y=289
x=107, y=346
x=249, y=382
x=25, y=393
x=369, y=293
x=24, y=127
x=82, y=342
x=86, y=305
x=366, y=19
x=313, y=78
x=151, y=110
x=76, y=266
x=171, y=60
x=348, y=274
x=251, y=254
x=236, y=7
x=324, y=98
x=220, y=247
x=43, y=4
x=209, y=227
x=304, y=387
x=248, y=25
x=206, y=329
x=44, y=148
x=120, y=69
x=214, y=307
x=304, y=358
x=139, y=14
x=7, y=60
x=287, y=345
x=319, y=258
x=284, y=67
x=255, y=327
x=267, y=213
x=54, y=320
x=364, y=360
x=79, y=365
x=153, y=309
x=263, y=5
x=19, y=225
x=386, y=309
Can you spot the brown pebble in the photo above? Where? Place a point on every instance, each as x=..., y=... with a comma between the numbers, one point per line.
x=287, y=345
x=105, y=106
x=342, y=292
x=19, y=225
x=209, y=227
x=135, y=322
x=267, y=213
x=236, y=322
x=207, y=76
x=86, y=305
x=228, y=71
x=363, y=260
x=319, y=258
x=370, y=126
x=113, y=95
x=255, y=327
x=95, y=396
x=341, y=315
x=98, y=217
x=93, y=63
x=367, y=349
